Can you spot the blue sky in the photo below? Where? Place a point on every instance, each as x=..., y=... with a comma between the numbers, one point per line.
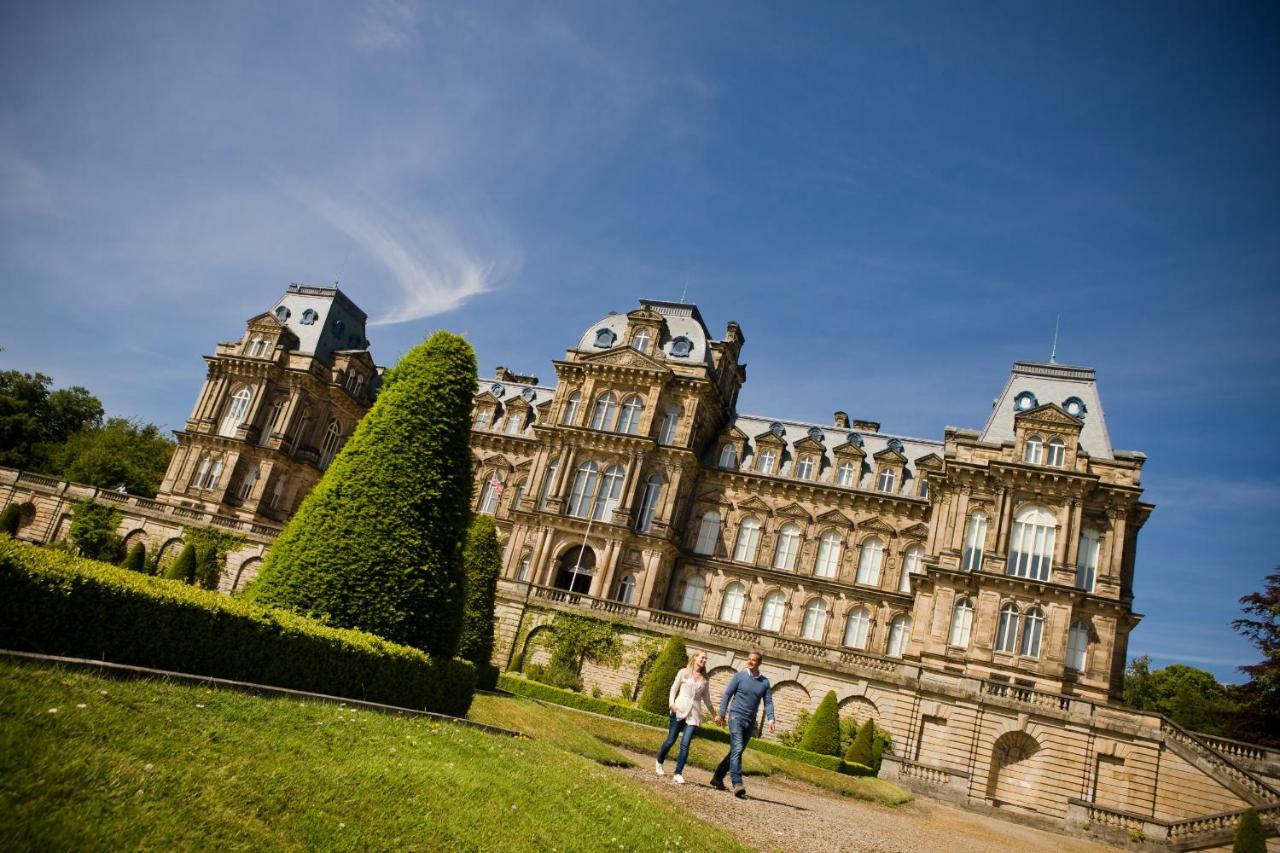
x=895, y=200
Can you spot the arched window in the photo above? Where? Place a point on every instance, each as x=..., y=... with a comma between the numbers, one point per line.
x=304, y=427
x=309, y=317
x=975, y=539
x=670, y=421
x=629, y=422
x=694, y=590
x=640, y=340
x=912, y=564
x=804, y=468
x=815, y=620
x=764, y=465
x=571, y=409
x=869, y=561
x=728, y=457
x=744, y=550
x=282, y=313
x=606, y=409
x=771, y=615
x=1034, y=451
x=1057, y=454
x=577, y=565
x=844, y=474
x=784, y=556
x=1087, y=560
x=731, y=604
x=627, y=590
x=1007, y=633
x=649, y=503
x=899, y=634
x=605, y=338
x=237, y=409
x=887, y=480
x=1031, y=544
x=492, y=494
x=547, y=481
x=214, y=477
x=610, y=493
x=1077, y=646
x=828, y=562
x=332, y=441
x=583, y=492
x=273, y=420
x=856, y=628
x=961, y=623
x=522, y=570
x=247, y=482
x=708, y=533
x=1032, y=629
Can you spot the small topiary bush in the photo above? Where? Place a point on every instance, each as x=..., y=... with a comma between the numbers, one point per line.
x=184, y=568
x=136, y=561
x=822, y=734
x=1250, y=836
x=93, y=531
x=10, y=518
x=861, y=748
x=482, y=557
x=56, y=603
x=657, y=684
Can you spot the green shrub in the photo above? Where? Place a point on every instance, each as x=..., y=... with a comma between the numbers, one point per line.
x=517, y=662
x=93, y=531
x=860, y=750
x=136, y=561
x=657, y=684
x=55, y=603
x=208, y=567
x=10, y=518
x=575, y=640
x=1250, y=836
x=377, y=543
x=557, y=675
x=184, y=568
x=822, y=734
x=482, y=558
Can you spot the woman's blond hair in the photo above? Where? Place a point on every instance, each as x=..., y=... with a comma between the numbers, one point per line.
x=693, y=669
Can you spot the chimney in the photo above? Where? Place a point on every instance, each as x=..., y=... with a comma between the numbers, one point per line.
x=866, y=426
x=842, y=420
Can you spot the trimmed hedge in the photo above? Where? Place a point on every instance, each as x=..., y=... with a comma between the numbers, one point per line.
x=55, y=603
x=657, y=683
x=184, y=568
x=1250, y=836
x=482, y=557
x=861, y=750
x=556, y=696
x=822, y=735
x=136, y=561
x=10, y=519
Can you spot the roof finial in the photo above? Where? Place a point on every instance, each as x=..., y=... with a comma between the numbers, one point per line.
x=684, y=292
x=1053, y=356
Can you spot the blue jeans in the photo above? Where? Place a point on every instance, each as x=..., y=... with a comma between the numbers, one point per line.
x=739, y=734
x=673, y=731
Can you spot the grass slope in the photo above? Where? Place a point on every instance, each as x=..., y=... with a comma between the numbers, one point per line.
x=156, y=765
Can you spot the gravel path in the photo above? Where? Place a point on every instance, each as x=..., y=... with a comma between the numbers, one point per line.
x=794, y=816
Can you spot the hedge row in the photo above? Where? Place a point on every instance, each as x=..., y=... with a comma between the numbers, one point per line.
x=54, y=603
x=547, y=693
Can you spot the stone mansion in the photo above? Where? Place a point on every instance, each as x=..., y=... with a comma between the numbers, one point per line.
x=973, y=594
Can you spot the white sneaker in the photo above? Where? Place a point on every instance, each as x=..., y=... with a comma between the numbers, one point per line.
x=678, y=779
x=657, y=768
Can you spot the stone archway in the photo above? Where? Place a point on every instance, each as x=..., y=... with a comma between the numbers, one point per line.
x=1016, y=763
x=859, y=709
x=575, y=569
x=790, y=699
x=247, y=571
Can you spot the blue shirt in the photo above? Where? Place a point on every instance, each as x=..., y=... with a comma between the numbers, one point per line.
x=745, y=692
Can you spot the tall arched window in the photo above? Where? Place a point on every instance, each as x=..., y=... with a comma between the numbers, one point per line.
x=649, y=503
x=273, y=420
x=627, y=590
x=771, y=615
x=584, y=489
x=804, y=468
x=784, y=556
x=202, y=471
x=975, y=540
x=1057, y=453
x=728, y=457
x=887, y=480
x=708, y=533
x=828, y=562
x=1032, y=629
x=640, y=340
x=1034, y=451
x=629, y=421
x=610, y=493
x=869, y=561
x=547, y=482
x=961, y=623
x=844, y=474
x=732, y=602
x=1031, y=544
x=571, y=407
x=606, y=409
x=492, y=494
x=1087, y=560
x=247, y=482
x=332, y=441
x=912, y=564
x=670, y=422
x=744, y=550
x=899, y=634
x=1007, y=633
x=522, y=570
x=814, y=626
x=694, y=590
x=856, y=628
x=1077, y=646
x=237, y=409
x=764, y=465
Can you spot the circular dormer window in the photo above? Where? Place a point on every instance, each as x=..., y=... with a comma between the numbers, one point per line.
x=777, y=429
x=309, y=317
x=527, y=394
x=1075, y=407
x=895, y=445
x=338, y=326
x=681, y=347
x=854, y=439
x=497, y=390
x=605, y=338
x=816, y=434
x=1025, y=402
x=282, y=314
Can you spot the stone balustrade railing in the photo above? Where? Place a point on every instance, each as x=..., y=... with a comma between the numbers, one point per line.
x=1182, y=834
x=1222, y=823
x=1240, y=750
x=1222, y=765
x=1036, y=698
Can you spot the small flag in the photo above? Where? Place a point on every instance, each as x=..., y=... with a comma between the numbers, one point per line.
x=496, y=485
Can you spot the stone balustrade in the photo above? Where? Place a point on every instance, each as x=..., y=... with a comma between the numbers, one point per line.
x=1193, y=833
x=938, y=782
x=1222, y=767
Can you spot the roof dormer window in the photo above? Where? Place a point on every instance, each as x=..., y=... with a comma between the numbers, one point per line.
x=844, y=475
x=1033, y=453
x=1075, y=407
x=1025, y=401
x=640, y=340
x=681, y=347
x=605, y=338
x=887, y=480
x=1057, y=453
x=764, y=465
x=804, y=468
x=282, y=314
x=309, y=317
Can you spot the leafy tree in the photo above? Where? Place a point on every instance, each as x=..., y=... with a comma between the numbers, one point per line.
x=576, y=640
x=861, y=750
x=184, y=568
x=10, y=518
x=1250, y=836
x=657, y=685
x=93, y=531
x=483, y=560
x=1190, y=697
x=119, y=453
x=822, y=734
x=33, y=419
x=377, y=543
x=137, y=558
x=1259, y=716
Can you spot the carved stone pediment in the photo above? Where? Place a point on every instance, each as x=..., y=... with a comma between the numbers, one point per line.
x=625, y=356
x=794, y=510
x=809, y=443
x=487, y=396
x=915, y=531
x=496, y=460
x=768, y=439
x=929, y=462
x=754, y=504
x=849, y=450
x=1050, y=415
x=645, y=315
x=890, y=456
x=734, y=434
x=875, y=525
x=835, y=516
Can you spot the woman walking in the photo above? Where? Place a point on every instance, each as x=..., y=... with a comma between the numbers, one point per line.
x=689, y=688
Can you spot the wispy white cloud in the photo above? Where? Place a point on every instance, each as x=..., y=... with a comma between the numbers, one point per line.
x=386, y=25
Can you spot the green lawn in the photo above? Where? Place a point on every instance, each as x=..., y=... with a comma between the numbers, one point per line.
x=88, y=762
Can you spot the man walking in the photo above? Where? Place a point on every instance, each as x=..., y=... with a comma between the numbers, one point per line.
x=741, y=701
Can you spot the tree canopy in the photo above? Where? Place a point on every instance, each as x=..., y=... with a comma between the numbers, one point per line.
x=1259, y=716
x=119, y=453
x=33, y=419
x=1190, y=697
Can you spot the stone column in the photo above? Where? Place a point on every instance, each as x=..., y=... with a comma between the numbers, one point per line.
x=961, y=504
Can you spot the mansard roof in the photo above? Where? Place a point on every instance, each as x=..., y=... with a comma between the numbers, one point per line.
x=680, y=320
x=1035, y=384
x=337, y=322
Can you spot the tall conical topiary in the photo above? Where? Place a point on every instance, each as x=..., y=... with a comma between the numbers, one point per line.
x=482, y=558
x=183, y=568
x=1250, y=836
x=657, y=684
x=860, y=749
x=822, y=735
x=377, y=543
x=208, y=567
x=9, y=519
x=136, y=560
